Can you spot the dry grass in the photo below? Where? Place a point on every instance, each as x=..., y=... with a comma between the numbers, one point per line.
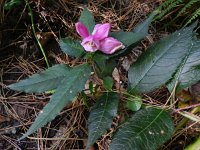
x=67, y=131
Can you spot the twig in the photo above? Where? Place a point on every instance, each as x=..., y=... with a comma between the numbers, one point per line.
x=184, y=121
x=188, y=107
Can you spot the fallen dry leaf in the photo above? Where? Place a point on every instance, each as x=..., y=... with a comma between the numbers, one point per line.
x=195, y=91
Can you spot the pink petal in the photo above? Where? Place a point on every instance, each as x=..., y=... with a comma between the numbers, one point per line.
x=95, y=28
x=90, y=44
x=110, y=45
x=101, y=31
x=82, y=30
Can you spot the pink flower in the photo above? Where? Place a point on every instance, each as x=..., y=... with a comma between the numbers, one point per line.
x=110, y=45
x=90, y=44
x=99, y=39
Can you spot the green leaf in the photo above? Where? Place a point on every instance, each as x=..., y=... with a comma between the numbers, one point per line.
x=140, y=31
x=108, y=83
x=146, y=130
x=44, y=81
x=103, y=65
x=187, y=72
x=91, y=87
x=100, y=61
x=134, y=103
x=127, y=38
x=143, y=27
x=68, y=89
x=130, y=39
x=87, y=19
x=155, y=67
x=11, y=3
x=101, y=116
x=71, y=47
x=194, y=146
x=85, y=99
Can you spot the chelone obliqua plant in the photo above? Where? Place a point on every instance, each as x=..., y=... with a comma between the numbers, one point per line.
x=173, y=61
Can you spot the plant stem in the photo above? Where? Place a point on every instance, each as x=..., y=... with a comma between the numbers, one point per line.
x=34, y=33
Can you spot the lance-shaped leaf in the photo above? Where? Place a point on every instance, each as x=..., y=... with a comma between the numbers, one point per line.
x=87, y=19
x=188, y=72
x=146, y=130
x=71, y=47
x=130, y=39
x=143, y=27
x=68, y=89
x=102, y=115
x=44, y=81
x=127, y=38
x=156, y=66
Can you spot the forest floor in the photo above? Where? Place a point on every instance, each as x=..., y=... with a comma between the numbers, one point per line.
x=21, y=57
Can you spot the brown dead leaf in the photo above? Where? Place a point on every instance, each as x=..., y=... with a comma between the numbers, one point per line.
x=189, y=96
x=116, y=75
x=185, y=98
x=44, y=37
x=195, y=91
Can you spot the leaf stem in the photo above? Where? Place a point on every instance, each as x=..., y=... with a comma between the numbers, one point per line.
x=34, y=33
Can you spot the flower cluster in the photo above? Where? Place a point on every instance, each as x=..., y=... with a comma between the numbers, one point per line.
x=99, y=39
